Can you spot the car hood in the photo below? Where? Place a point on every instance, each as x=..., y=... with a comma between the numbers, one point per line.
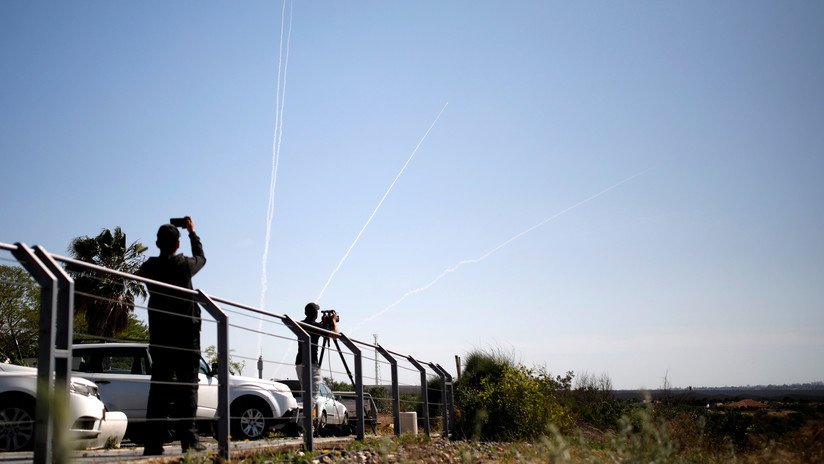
x=238, y=380
x=13, y=370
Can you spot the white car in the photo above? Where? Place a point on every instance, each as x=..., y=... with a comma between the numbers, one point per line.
x=92, y=425
x=122, y=371
x=328, y=413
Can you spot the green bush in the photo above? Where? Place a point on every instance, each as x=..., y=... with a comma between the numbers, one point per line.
x=499, y=400
x=727, y=427
x=336, y=385
x=410, y=402
x=381, y=397
x=593, y=402
x=434, y=394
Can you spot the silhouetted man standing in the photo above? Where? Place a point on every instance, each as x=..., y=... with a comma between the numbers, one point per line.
x=174, y=340
x=311, y=311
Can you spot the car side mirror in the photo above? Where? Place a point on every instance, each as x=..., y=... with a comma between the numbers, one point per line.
x=214, y=369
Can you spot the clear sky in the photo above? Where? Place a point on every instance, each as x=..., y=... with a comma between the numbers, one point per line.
x=708, y=268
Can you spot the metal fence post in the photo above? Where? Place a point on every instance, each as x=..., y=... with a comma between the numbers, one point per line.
x=424, y=393
x=444, y=400
x=222, y=373
x=44, y=422
x=361, y=422
x=450, y=397
x=306, y=379
x=62, y=355
x=396, y=390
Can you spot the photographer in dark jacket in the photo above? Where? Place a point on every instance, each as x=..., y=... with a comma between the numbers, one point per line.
x=174, y=340
x=311, y=311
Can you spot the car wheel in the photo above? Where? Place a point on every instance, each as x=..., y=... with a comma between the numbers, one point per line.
x=344, y=430
x=249, y=419
x=321, y=428
x=17, y=425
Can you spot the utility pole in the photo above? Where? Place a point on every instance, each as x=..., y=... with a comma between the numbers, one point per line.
x=377, y=368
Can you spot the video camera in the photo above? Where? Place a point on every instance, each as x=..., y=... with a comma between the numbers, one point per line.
x=329, y=320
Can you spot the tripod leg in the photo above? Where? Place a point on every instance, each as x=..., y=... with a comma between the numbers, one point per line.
x=323, y=346
x=348, y=372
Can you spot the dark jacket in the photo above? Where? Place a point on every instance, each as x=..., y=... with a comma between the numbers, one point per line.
x=176, y=321
x=315, y=336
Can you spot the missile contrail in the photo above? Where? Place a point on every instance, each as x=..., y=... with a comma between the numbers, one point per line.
x=280, y=99
x=503, y=244
x=357, y=238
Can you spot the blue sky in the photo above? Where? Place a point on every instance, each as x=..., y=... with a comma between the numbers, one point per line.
x=706, y=268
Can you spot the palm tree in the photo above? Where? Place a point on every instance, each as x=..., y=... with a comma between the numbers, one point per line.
x=104, y=299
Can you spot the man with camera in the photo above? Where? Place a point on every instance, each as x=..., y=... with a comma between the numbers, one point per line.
x=174, y=339
x=311, y=311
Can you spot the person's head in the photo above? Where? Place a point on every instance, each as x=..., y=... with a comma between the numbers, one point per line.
x=311, y=310
x=168, y=239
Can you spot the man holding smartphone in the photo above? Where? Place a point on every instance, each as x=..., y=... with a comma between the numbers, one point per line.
x=174, y=339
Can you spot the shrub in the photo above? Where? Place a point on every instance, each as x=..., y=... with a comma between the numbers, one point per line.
x=499, y=400
x=410, y=402
x=594, y=403
x=336, y=385
x=434, y=394
x=381, y=397
x=727, y=427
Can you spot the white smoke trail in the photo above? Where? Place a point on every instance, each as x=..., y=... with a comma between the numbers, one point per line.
x=505, y=243
x=280, y=99
x=357, y=238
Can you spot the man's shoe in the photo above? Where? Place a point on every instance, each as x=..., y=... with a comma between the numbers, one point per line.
x=152, y=451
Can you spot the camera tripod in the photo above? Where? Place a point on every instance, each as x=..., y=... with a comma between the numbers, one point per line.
x=342, y=359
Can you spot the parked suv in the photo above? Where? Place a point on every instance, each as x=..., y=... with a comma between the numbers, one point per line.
x=92, y=426
x=122, y=372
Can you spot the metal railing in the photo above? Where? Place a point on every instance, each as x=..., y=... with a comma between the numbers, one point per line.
x=56, y=334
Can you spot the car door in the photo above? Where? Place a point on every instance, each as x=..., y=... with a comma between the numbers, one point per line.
x=332, y=413
x=121, y=373
x=206, y=392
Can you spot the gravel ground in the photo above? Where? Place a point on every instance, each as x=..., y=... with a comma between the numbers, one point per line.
x=436, y=450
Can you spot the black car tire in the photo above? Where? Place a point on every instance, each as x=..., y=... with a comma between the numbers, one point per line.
x=322, y=425
x=250, y=419
x=17, y=419
x=344, y=430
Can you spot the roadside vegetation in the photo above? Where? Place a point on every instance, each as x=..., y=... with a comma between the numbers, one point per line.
x=507, y=413
x=579, y=420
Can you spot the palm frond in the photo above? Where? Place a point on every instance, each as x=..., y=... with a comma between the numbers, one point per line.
x=104, y=299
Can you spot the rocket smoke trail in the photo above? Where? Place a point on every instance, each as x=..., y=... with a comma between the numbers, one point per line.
x=490, y=252
x=346, y=255
x=283, y=63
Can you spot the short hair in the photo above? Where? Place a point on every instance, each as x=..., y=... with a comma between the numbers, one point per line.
x=311, y=308
x=167, y=237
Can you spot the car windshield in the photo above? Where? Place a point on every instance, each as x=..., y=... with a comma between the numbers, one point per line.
x=324, y=390
x=204, y=367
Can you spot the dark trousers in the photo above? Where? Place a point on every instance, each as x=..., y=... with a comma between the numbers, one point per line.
x=174, y=380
